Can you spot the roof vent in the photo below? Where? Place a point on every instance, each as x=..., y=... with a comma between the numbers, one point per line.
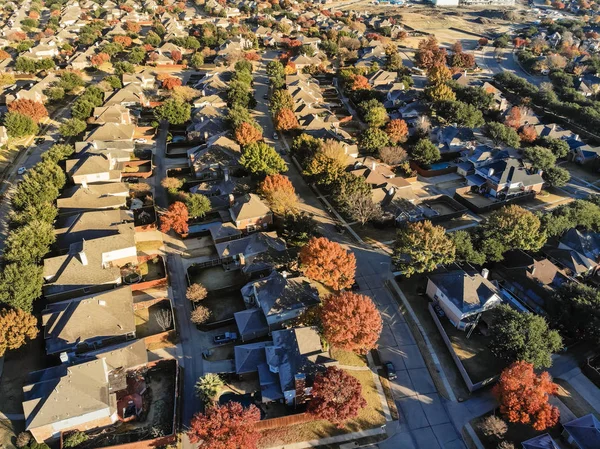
x=101, y=303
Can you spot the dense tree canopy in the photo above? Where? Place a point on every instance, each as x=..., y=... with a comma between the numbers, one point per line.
x=337, y=396
x=279, y=193
x=425, y=152
x=351, y=321
x=261, y=159
x=523, y=336
x=228, y=426
x=575, y=310
x=523, y=396
x=16, y=327
x=328, y=262
x=176, y=218
x=420, y=247
x=174, y=111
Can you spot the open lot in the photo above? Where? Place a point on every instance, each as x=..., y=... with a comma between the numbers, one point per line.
x=215, y=278
x=223, y=304
x=368, y=418
x=147, y=320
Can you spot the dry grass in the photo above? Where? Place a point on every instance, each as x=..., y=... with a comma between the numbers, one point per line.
x=8, y=153
x=368, y=418
x=9, y=431
x=348, y=357
x=149, y=246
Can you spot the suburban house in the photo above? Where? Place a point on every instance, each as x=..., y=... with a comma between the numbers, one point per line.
x=110, y=132
x=583, y=433
x=143, y=79
x=272, y=301
x=90, y=265
x=130, y=95
x=209, y=160
x=120, y=150
x=112, y=195
x=256, y=253
x=499, y=102
x=532, y=281
x=462, y=295
x=249, y=213
x=577, y=251
x=505, y=179
x=117, y=114
x=89, y=322
x=93, y=168
x=382, y=78
x=285, y=366
x=81, y=396
x=89, y=226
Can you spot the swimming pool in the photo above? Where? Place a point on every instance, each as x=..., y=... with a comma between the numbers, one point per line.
x=439, y=166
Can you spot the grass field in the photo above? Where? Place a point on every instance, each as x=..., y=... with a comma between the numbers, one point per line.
x=348, y=357
x=368, y=418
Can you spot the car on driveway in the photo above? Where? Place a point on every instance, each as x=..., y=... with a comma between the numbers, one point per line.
x=227, y=337
x=141, y=140
x=40, y=140
x=131, y=180
x=21, y=171
x=390, y=370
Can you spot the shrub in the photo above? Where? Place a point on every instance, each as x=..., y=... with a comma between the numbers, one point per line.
x=493, y=426
x=196, y=292
x=200, y=315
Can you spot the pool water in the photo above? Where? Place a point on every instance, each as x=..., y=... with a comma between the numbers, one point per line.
x=439, y=165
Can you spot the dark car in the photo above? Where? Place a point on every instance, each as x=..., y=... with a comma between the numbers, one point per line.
x=355, y=286
x=266, y=96
x=390, y=370
x=131, y=180
x=39, y=140
x=227, y=337
x=340, y=228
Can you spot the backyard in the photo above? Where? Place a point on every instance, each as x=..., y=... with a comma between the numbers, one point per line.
x=151, y=321
x=369, y=417
x=223, y=304
x=473, y=352
x=215, y=278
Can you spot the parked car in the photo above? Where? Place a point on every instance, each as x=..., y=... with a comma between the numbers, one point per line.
x=21, y=171
x=141, y=140
x=40, y=140
x=146, y=155
x=390, y=370
x=227, y=337
x=131, y=180
x=439, y=311
x=339, y=228
x=355, y=286
x=275, y=136
x=177, y=139
x=266, y=96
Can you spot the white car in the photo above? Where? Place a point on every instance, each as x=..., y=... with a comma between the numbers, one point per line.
x=275, y=136
x=21, y=171
x=142, y=140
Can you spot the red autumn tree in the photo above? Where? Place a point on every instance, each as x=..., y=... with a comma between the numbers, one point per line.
x=359, y=82
x=397, y=130
x=4, y=55
x=285, y=120
x=246, y=133
x=133, y=27
x=519, y=42
x=513, y=118
x=327, y=262
x=228, y=426
x=523, y=396
x=429, y=53
x=34, y=15
x=125, y=41
x=251, y=56
x=176, y=56
x=483, y=41
x=336, y=396
x=30, y=108
x=528, y=134
x=175, y=218
x=99, y=59
x=351, y=322
x=171, y=83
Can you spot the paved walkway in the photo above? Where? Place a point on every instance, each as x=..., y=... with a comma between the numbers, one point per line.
x=584, y=386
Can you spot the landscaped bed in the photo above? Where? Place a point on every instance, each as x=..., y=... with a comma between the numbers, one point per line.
x=368, y=418
x=516, y=433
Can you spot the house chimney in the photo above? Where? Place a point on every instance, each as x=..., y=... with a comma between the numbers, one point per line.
x=64, y=357
x=485, y=273
x=83, y=258
x=373, y=165
x=490, y=172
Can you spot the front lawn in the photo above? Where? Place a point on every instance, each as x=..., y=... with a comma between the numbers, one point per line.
x=370, y=417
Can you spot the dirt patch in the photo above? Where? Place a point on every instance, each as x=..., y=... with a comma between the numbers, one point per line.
x=148, y=321
x=215, y=278
x=348, y=357
x=9, y=431
x=223, y=304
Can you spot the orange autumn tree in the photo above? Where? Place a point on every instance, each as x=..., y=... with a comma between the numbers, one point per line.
x=171, y=83
x=175, y=218
x=285, y=120
x=351, y=321
x=176, y=56
x=523, y=396
x=513, y=118
x=99, y=59
x=4, y=55
x=245, y=133
x=327, y=262
x=397, y=130
x=30, y=108
x=280, y=194
x=133, y=27
x=125, y=41
x=359, y=82
x=228, y=426
x=528, y=134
